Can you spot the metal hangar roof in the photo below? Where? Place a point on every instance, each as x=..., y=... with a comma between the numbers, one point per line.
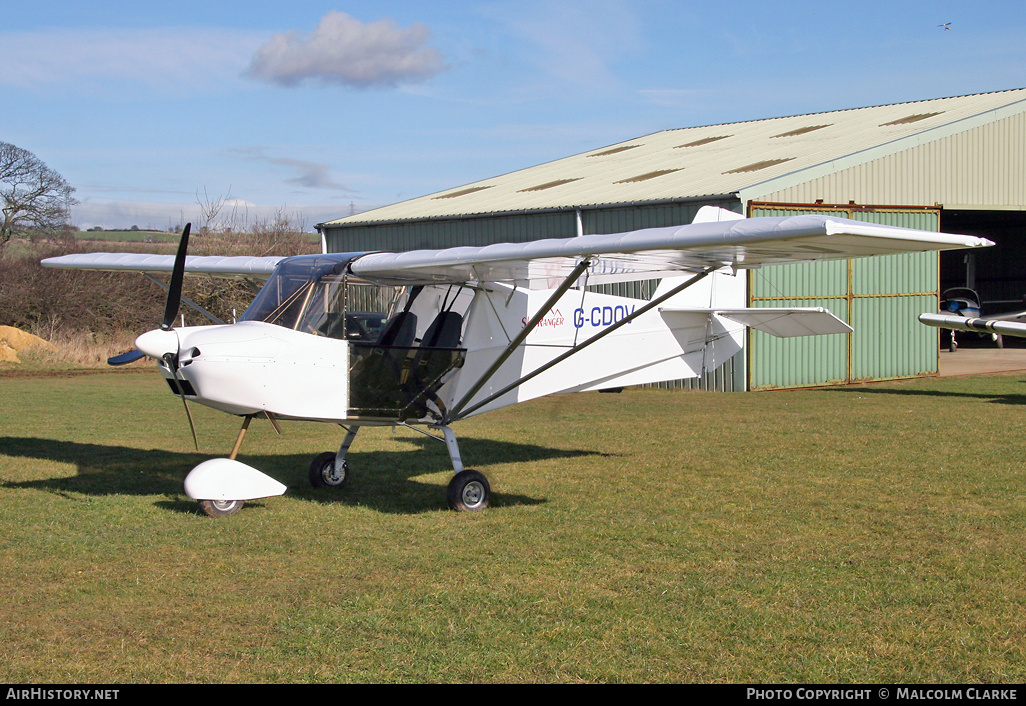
x=745, y=159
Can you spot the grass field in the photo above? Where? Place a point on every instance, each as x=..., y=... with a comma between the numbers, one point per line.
x=147, y=236
x=858, y=534
x=129, y=236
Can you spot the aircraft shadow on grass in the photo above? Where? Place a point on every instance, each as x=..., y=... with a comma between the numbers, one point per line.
x=1014, y=399
x=381, y=480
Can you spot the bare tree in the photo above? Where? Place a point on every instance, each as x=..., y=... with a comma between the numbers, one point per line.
x=281, y=234
x=210, y=212
x=33, y=197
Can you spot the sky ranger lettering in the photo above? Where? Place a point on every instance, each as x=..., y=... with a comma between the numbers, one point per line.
x=603, y=316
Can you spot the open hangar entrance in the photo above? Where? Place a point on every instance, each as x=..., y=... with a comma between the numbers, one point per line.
x=998, y=273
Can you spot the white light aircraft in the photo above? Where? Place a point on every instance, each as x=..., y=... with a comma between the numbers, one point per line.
x=426, y=338
x=993, y=326
x=964, y=303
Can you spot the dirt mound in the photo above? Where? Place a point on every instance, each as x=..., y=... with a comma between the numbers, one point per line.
x=13, y=341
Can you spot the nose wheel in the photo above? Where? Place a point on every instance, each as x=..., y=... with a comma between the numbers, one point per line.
x=220, y=508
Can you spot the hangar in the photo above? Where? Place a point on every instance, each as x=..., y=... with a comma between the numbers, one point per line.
x=955, y=164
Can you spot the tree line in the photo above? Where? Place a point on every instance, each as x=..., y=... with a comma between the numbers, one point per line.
x=66, y=304
x=33, y=197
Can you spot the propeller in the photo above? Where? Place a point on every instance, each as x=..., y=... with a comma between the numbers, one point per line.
x=174, y=301
x=159, y=343
x=174, y=292
x=129, y=357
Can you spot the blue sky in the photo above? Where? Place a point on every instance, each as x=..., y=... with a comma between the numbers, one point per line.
x=319, y=108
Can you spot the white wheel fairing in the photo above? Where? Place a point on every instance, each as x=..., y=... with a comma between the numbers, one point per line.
x=223, y=479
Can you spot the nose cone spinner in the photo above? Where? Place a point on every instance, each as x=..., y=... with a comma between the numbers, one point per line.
x=158, y=343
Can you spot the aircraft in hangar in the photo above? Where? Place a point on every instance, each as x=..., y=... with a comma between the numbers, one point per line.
x=965, y=303
x=426, y=338
x=996, y=326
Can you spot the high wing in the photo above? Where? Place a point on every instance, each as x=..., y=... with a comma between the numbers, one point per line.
x=642, y=254
x=252, y=269
x=658, y=252
x=257, y=268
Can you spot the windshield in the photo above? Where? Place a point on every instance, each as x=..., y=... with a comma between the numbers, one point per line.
x=314, y=295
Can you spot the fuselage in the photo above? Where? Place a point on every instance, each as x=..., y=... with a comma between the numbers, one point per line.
x=253, y=367
x=319, y=344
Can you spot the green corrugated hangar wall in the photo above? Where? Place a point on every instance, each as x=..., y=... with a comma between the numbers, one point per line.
x=512, y=227
x=879, y=297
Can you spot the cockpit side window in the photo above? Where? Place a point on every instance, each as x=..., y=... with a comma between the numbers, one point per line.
x=313, y=295
x=367, y=308
x=280, y=301
x=287, y=293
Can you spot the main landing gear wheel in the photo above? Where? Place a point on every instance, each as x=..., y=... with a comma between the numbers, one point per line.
x=220, y=508
x=468, y=491
x=324, y=474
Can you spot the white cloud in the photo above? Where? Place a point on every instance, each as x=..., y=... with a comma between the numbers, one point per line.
x=343, y=50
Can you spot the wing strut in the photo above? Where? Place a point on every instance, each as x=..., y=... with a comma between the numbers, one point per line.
x=185, y=300
x=582, y=266
x=455, y=414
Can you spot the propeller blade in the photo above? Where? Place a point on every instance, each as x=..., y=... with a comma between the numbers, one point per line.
x=129, y=357
x=174, y=292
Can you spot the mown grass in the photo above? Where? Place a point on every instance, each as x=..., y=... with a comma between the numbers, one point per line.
x=149, y=236
x=859, y=534
x=128, y=236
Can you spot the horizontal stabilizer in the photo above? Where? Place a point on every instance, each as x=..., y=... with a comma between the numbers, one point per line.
x=1007, y=328
x=781, y=322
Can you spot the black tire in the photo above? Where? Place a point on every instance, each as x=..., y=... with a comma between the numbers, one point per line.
x=322, y=472
x=220, y=508
x=469, y=491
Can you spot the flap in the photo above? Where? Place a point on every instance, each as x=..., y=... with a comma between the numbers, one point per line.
x=781, y=322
